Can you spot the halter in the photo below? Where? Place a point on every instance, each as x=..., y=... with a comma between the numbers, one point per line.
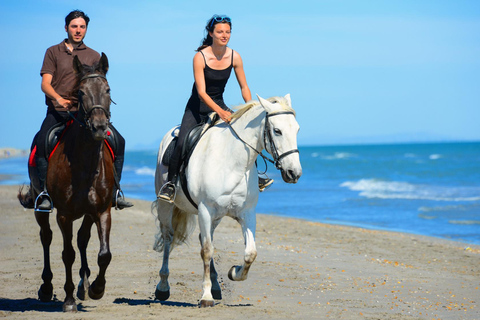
x=267, y=134
x=98, y=106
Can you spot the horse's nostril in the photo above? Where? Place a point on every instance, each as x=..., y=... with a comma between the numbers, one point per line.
x=291, y=174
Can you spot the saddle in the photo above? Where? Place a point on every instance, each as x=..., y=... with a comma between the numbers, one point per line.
x=191, y=141
x=55, y=134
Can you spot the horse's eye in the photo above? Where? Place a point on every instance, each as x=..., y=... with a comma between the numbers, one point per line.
x=81, y=93
x=278, y=132
x=108, y=90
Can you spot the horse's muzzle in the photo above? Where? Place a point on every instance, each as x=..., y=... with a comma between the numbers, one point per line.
x=98, y=123
x=291, y=175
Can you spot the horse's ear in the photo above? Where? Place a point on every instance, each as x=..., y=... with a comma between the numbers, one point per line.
x=267, y=105
x=103, y=64
x=77, y=65
x=289, y=100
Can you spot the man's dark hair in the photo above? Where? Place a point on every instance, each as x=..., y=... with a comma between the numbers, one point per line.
x=74, y=15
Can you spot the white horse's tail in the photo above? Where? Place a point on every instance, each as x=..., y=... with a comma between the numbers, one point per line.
x=183, y=224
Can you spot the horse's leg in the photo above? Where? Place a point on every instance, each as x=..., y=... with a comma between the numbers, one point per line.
x=45, y=293
x=68, y=257
x=248, y=223
x=164, y=214
x=97, y=289
x=205, y=224
x=83, y=237
x=216, y=289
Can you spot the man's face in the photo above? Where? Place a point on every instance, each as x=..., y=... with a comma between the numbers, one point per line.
x=76, y=30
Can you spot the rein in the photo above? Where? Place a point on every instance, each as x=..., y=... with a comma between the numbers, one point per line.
x=267, y=133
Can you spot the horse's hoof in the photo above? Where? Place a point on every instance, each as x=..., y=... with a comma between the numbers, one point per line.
x=69, y=308
x=206, y=303
x=217, y=294
x=82, y=289
x=45, y=295
x=232, y=272
x=95, y=295
x=162, y=295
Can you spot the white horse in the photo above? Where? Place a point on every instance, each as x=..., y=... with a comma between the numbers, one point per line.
x=222, y=181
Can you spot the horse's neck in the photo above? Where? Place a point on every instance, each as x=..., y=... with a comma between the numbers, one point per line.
x=250, y=129
x=87, y=149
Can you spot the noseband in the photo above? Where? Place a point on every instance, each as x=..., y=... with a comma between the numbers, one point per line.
x=268, y=134
x=88, y=114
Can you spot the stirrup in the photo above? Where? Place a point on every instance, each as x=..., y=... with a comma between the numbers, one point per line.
x=41, y=195
x=264, y=186
x=118, y=194
x=163, y=198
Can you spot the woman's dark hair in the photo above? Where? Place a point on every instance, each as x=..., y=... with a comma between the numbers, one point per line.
x=74, y=15
x=211, y=23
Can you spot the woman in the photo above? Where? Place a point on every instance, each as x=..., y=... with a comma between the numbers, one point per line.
x=212, y=66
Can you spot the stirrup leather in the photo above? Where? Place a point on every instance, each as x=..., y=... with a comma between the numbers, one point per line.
x=40, y=196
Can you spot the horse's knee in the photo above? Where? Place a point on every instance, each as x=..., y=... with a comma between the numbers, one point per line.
x=68, y=256
x=46, y=236
x=104, y=258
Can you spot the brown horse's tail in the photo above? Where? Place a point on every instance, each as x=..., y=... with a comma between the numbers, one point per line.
x=26, y=199
x=183, y=224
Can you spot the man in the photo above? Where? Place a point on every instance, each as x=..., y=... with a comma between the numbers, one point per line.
x=58, y=81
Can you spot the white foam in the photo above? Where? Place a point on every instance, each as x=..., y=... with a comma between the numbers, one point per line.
x=373, y=188
x=339, y=155
x=435, y=156
x=145, y=171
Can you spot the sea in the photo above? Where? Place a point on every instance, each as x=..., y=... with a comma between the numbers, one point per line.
x=425, y=189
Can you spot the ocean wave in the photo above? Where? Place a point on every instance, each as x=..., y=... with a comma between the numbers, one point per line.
x=464, y=222
x=443, y=208
x=373, y=188
x=339, y=155
x=145, y=171
x=435, y=156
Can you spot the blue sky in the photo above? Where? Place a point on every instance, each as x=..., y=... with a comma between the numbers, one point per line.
x=357, y=71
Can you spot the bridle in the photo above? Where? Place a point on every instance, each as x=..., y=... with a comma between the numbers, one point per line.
x=87, y=114
x=274, y=151
x=267, y=136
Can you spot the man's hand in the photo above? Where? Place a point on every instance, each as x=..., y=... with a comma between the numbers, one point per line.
x=67, y=104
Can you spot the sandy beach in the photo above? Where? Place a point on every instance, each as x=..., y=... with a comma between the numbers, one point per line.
x=303, y=270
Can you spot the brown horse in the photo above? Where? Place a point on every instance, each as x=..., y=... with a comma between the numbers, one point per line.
x=80, y=181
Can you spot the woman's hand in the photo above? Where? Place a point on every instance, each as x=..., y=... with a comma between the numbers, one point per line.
x=225, y=115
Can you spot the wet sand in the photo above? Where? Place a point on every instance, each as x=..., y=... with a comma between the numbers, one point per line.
x=303, y=270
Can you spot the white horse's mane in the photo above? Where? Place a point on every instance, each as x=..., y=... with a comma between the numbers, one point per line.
x=242, y=109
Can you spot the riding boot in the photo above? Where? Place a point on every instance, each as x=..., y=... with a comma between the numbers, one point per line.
x=168, y=190
x=118, y=200
x=42, y=166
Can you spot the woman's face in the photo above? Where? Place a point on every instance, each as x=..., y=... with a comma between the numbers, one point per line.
x=221, y=34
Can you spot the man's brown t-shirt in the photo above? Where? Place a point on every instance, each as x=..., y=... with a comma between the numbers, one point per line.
x=58, y=62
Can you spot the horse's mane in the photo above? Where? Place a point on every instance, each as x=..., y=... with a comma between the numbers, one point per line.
x=242, y=109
